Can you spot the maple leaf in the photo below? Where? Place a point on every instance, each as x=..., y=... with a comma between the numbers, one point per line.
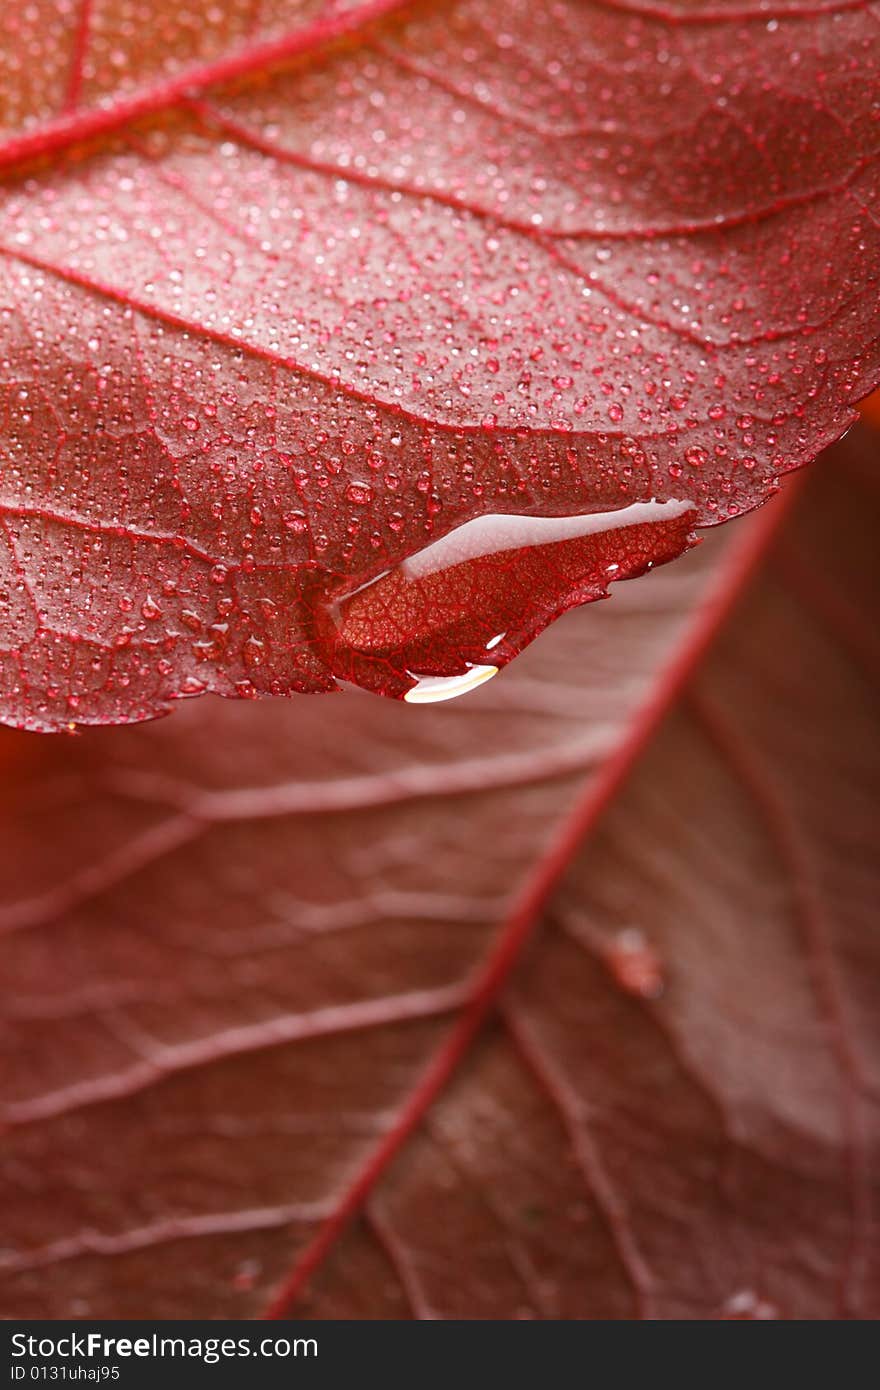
x=244, y=956
x=290, y=294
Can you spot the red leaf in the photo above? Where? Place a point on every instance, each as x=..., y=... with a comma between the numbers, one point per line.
x=286, y=301
x=246, y=947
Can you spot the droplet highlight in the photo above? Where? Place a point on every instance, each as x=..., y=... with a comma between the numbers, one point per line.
x=432, y=690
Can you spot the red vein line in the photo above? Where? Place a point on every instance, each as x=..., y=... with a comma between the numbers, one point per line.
x=214, y=117
x=78, y=57
x=214, y=335
x=158, y=1063
x=384, y=1237
x=72, y=128
x=522, y=922
x=198, y=810
x=120, y=530
x=597, y=1181
x=740, y=758
x=332, y=381
x=76, y=126
x=161, y=1232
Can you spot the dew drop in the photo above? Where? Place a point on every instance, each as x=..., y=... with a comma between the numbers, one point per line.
x=636, y=965
x=359, y=493
x=422, y=630
x=747, y=1305
x=696, y=456
x=431, y=690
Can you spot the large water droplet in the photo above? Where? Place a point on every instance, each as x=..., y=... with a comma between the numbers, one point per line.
x=449, y=616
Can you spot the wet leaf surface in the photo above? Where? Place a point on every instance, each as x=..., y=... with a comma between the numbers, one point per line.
x=290, y=292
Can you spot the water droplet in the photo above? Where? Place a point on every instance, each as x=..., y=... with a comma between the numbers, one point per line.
x=421, y=631
x=748, y=1305
x=359, y=493
x=430, y=690
x=636, y=965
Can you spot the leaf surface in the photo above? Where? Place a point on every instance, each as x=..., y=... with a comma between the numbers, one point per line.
x=246, y=947
x=289, y=292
